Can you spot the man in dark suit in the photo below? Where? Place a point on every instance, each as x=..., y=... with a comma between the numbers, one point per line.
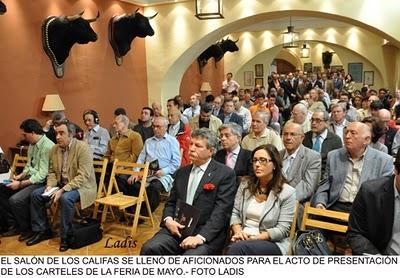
x=207, y=185
x=328, y=141
x=231, y=154
x=290, y=86
x=229, y=116
x=314, y=82
x=374, y=225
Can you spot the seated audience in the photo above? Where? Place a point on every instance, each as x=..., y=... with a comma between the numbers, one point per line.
x=207, y=185
x=59, y=116
x=181, y=132
x=194, y=108
x=320, y=139
x=347, y=168
x=117, y=112
x=96, y=136
x=157, y=109
x=374, y=225
x=217, y=109
x=15, y=197
x=126, y=144
x=338, y=121
x=165, y=149
x=244, y=113
x=301, y=165
x=260, y=133
x=391, y=136
x=377, y=130
x=299, y=116
x=264, y=208
x=229, y=116
x=231, y=154
x=144, y=127
x=205, y=119
x=171, y=103
x=71, y=169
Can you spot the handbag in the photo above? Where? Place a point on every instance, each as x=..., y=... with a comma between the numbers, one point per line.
x=4, y=165
x=310, y=243
x=85, y=232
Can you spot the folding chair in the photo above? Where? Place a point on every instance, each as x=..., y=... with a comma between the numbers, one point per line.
x=100, y=166
x=18, y=162
x=121, y=201
x=335, y=216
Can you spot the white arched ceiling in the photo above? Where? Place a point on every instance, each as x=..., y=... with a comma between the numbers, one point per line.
x=165, y=72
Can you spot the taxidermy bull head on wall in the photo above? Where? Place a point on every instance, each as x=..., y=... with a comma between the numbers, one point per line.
x=60, y=33
x=3, y=8
x=217, y=51
x=122, y=29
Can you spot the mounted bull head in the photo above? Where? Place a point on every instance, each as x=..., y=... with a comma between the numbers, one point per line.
x=217, y=51
x=122, y=29
x=3, y=8
x=60, y=33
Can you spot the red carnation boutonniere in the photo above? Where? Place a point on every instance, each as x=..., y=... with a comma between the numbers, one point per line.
x=209, y=187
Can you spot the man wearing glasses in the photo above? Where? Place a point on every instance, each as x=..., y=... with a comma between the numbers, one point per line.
x=320, y=139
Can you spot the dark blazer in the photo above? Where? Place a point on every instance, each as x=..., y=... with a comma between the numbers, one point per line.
x=331, y=142
x=372, y=216
x=291, y=91
x=215, y=205
x=243, y=166
x=390, y=134
x=316, y=84
x=235, y=118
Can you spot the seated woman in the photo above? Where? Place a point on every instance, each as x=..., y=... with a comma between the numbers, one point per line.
x=264, y=208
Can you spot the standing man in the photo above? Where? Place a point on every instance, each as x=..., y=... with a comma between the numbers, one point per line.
x=230, y=85
x=320, y=139
x=165, y=149
x=301, y=166
x=96, y=136
x=71, y=169
x=374, y=225
x=210, y=187
x=347, y=168
x=15, y=197
x=231, y=154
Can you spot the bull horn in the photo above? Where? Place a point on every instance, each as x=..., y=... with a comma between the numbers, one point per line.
x=73, y=17
x=133, y=14
x=236, y=41
x=153, y=16
x=94, y=19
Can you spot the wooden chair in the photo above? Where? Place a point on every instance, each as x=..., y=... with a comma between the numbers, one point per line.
x=115, y=198
x=100, y=166
x=293, y=228
x=18, y=162
x=336, y=221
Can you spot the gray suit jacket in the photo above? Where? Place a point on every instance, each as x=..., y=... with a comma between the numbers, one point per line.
x=304, y=173
x=277, y=215
x=376, y=164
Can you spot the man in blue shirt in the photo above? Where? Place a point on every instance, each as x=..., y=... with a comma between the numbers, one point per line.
x=96, y=136
x=165, y=149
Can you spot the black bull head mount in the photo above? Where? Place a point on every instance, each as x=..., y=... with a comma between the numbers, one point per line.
x=3, y=8
x=217, y=51
x=60, y=33
x=122, y=29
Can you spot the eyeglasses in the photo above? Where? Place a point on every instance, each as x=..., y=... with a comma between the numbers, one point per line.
x=316, y=120
x=263, y=161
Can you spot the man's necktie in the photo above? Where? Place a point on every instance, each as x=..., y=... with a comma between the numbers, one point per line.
x=229, y=160
x=193, y=184
x=317, y=144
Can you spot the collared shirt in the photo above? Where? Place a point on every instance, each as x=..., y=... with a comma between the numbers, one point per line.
x=124, y=147
x=288, y=160
x=246, y=116
x=235, y=154
x=323, y=136
x=166, y=150
x=191, y=112
x=230, y=86
x=393, y=247
x=352, y=181
x=174, y=129
x=97, y=139
x=202, y=168
x=339, y=129
x=269, y=136
x=37, y=165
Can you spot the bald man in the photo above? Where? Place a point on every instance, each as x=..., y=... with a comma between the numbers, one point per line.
x=348, y=167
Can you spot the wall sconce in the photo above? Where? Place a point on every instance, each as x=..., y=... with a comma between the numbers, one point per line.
x=208, y=9
x=53, y=103
x=304, y=51
x=205, y=87
x=290, y=37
